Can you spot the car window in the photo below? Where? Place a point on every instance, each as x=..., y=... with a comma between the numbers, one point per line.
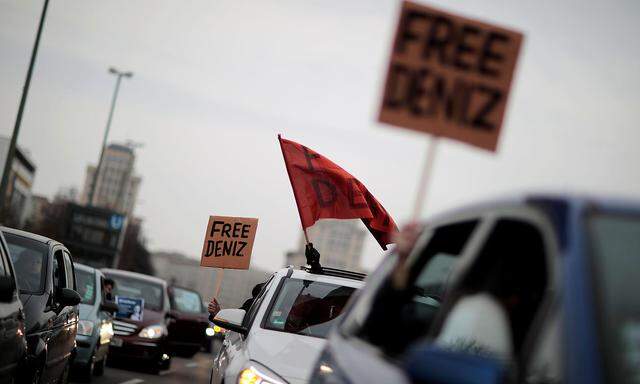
x=615, y=246
x=58, y=270
x=415, y=308
x=70, y=281
x=253, y=310
x=29, y=260
x=86, y=283
x=4, y=266
x=139, y=289
x=307, y=307
x=184, y=300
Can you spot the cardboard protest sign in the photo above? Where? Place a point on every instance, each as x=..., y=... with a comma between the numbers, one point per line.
x=228, y=242
x=449, y=75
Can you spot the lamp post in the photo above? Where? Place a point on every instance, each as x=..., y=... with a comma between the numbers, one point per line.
x=96, y=175
x=16, y=129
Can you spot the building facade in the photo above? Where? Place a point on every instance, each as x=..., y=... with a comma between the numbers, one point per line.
x=340, y=243
x=186, y=272
x=21, y=178
x=117, y=185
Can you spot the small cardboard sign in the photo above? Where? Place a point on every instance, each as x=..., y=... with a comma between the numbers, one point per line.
x=228, y=242
x=130, y=308
x=449, y=75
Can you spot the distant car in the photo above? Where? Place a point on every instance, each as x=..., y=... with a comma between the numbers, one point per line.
x=280, y=337
x=46, y=279
x=95, y=327
x=140, y=334
x=13, y=345
x=188, y=322
x=566, y=267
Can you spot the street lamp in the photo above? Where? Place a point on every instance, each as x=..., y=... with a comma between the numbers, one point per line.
x=120, y=75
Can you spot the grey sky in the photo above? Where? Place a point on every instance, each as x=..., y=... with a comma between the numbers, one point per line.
x=215, y=81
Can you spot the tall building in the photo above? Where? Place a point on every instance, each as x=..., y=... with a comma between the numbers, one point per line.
x=117, y=186
x=21, y=178
x=186, y=272
x=340, y=243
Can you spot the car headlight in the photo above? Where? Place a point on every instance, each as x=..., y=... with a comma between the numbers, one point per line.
x=209, y=331
x=106, y=332
x=153, y=331
x=85, y=327
x=258, y=375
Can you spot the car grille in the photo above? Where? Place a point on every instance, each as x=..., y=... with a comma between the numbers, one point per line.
x=121, y=328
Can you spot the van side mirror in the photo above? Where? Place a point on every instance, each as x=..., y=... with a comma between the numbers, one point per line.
x=431, y=364
x=67, y=297
x=7, y=288
x=109, y=306
x=231, y=319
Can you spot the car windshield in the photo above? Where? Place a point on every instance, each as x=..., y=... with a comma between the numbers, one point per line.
x=86, y=284
x=134, y=288
x=28, y=257
x=184, y=300
x=307, y=307
x=615, y=242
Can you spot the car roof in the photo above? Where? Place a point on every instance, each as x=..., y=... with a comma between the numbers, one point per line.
x=570, y=199
x=304, y=275
x=135, y=275
x=87, y=268
x=29, y=235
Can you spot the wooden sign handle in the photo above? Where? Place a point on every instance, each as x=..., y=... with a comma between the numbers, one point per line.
x=219, y=276
x=426, y=176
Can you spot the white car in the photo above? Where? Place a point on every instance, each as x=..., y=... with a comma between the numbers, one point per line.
x=280, y=338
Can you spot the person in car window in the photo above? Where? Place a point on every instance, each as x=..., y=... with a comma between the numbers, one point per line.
x=214, y=306
x=108, y=289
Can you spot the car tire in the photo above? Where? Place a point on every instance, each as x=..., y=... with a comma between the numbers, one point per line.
x=84, y=372
x=98, y=369
x=64, y=376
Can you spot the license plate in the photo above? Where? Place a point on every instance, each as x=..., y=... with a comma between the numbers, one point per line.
x=116, y=342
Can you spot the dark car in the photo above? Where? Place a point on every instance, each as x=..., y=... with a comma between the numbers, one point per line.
x=46, y=280
x=188, y=322
x=12, y=341
x=564, y=270
x=140, y=330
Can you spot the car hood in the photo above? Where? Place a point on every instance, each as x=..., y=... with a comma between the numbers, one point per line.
x=290, y=356
x=86, y=311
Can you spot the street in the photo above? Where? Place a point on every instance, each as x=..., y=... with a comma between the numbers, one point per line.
x=194, y=370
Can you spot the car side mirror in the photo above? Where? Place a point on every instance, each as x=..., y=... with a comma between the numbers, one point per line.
x=231, y=319
x=430, y=364
x=67, y=297
x=109, y=306
x=7, y=288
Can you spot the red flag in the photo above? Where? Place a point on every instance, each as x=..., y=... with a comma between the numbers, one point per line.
x=323, y=190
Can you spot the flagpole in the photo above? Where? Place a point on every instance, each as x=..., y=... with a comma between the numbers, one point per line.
x=286, y=165
x=425, y=177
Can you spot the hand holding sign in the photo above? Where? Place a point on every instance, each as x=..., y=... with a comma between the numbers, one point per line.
x=228, y=242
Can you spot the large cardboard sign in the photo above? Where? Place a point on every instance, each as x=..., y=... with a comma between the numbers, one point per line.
x=228, y=242
x=449, y=75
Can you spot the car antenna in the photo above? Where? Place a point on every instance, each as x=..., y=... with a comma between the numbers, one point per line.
x=313, y=258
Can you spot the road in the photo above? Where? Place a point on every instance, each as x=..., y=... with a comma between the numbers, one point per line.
x=192, y=371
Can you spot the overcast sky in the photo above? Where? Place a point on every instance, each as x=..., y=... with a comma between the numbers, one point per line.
x=215, y=81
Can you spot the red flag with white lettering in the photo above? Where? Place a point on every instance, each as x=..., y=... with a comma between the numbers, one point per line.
x=323, y=190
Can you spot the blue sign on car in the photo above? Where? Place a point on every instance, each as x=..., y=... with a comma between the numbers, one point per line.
x=130, y=308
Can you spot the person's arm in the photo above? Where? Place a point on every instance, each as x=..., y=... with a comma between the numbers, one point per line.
x=213, y=308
